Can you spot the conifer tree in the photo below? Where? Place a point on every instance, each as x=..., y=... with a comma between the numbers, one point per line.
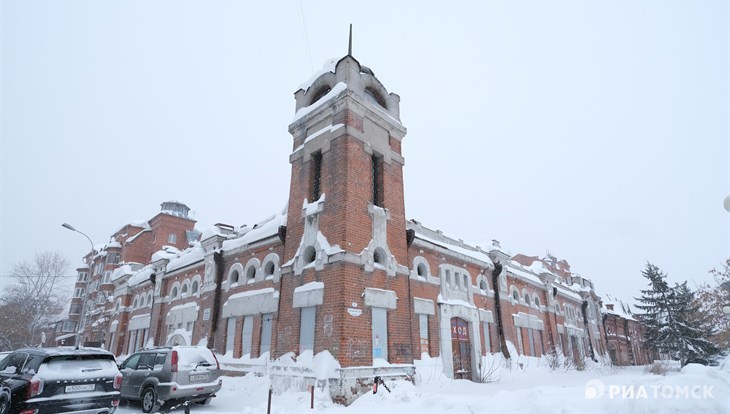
x=691, y=331
x=653, y=306
x=672, y=322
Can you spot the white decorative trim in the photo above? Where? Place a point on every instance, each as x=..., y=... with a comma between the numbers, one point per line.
x=423, y=306
x=380, y=298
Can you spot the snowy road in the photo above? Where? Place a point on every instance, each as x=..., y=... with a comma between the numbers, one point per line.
x=537, y=390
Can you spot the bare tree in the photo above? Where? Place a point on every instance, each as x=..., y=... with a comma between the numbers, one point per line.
x=37, y=295
x=711, y=298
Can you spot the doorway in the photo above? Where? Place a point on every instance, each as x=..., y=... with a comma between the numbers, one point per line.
x=461, y=348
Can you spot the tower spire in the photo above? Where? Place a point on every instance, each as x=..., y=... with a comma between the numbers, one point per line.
x=349, y=47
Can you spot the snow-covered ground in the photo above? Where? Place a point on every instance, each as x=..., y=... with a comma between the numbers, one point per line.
x=536, y=389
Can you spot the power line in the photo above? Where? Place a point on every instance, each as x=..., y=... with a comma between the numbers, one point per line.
x=306, y=38
x=19, y=276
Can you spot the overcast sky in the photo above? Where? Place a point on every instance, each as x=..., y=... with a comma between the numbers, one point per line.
x=597, y=131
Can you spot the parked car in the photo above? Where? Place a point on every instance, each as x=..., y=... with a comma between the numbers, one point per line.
x=59, y=380
x=170, y=375
x=4, y=354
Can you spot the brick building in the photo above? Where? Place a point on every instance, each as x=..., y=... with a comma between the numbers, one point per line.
x=624, y=334
x=341, y=269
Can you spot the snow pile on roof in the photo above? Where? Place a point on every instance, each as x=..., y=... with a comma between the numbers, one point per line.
x=524, y=272
x=187, y=257
x=131, y=239
x=448, y=243
x=142, y=276
x=539, y=267
x=620, y=308
x=336, y=90
x=126, y=269
x=214, y=231
x=264, y=229
x=329, y=65
x=167, y=252
x=113, y=245
x=142, y=224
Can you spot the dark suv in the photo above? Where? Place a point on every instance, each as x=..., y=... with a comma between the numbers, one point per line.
x=170, y=375
x=59, y=380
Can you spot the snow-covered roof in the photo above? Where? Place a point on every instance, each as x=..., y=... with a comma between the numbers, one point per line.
x=143, y=224
x=125, y=269
x=620, y=308
x=131, y=239
x=448, y=243
x=167, y=252
x=142, y=276
x=186, y=258
x=523, y=272
x=262, y=230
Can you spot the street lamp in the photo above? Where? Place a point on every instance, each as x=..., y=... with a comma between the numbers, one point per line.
x=84, y=297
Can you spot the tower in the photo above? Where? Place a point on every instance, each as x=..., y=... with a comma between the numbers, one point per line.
x=346, y=235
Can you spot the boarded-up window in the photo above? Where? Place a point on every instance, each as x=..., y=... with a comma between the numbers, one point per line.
x=423, y=329
x=518, y=332
x=230, y=334
x=377, y=176
x=487, y=342
x=306, y=329
x=247, y=335
x=132, y=340
x=266, y=324
x=531, y=337
x=380, y=333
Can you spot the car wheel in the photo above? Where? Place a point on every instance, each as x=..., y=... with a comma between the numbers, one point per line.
x=4, y=404
x=149, y=400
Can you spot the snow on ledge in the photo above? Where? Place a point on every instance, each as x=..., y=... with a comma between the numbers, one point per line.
x=336, y=90
x=309, y=286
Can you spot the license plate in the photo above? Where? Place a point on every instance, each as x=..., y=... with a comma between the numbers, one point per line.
x=198, y=377
x=79, y=388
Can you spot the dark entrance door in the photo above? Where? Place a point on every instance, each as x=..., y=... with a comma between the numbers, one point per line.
x=461, y=348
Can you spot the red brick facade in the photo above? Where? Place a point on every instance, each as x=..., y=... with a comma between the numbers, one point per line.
x=377, y=286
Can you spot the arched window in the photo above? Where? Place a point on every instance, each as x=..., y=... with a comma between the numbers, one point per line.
x=235, y=276
x=149, y=299
x=135, y=303
x=269, y=269
x=483, y=285
x=421, y=270
x=537, y=302
x=515, y=294
x=526, y=297
x=184, y=289
x=251, y=273
x=379, y=256
x=466, y=282
x=324, y=90
x=375, y=95
x=194, y=287
x=309, y=255
x=173, y=293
